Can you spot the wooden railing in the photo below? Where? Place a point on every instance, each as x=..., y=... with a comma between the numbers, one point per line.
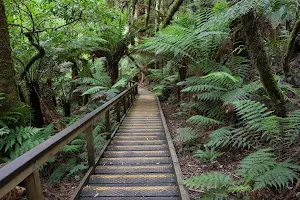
x=26, y=167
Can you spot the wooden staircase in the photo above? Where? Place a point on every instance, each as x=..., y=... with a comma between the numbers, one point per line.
x=140, y=162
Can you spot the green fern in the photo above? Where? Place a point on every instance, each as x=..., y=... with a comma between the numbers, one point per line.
x=78, y=168
x=201, y=120
x=262, y=169
x=256, y=171
x=209, y=181
x=72, y=148
x=220, y=137
x=99, y=85
x=186, y=135
x=23, y=139
x=208, y=155
x=61, y=170
x=211, y=109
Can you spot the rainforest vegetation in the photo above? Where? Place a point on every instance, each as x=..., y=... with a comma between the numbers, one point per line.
x=228, y=69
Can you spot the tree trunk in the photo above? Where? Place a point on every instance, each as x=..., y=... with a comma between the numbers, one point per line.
x=85, y=99
x=35, y=103
x=67, y=109
x=114, y=73
x=174, y=9
x=183, y=68
x=258, y=55
x=8, y=84
x=132, y=11
x=289, y=54
x=148, y=13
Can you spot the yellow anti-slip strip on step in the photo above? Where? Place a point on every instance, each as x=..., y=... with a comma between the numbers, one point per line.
x=131, y=188
x=132, y=176
x=137, y=141
x=135, y=158
x=138, y=147
x=136, y=152
x=135, y=167
x=143, y=137
x=141, y=134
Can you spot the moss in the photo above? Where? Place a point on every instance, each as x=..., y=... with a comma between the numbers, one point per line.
x=173, y=10
x=260, y=60
x=288, y=56
x=8, y=84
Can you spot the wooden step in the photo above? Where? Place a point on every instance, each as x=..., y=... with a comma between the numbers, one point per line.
x=132, y=178
x=134, y=169
x=138, y=148
x=145, y=191
x=122, y=154
x=135, y=161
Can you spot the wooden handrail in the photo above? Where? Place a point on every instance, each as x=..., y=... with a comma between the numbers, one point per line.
x=25, y=168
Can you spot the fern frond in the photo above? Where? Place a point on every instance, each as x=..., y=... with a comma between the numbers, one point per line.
x=72, y=148
x=256, y=164
x=225, y=79
x=209, y=181
x=201, y=120
x=279, y=177
x=239, y=66
x=212, y=109
x=201, y=88
x=220, y=137
x=234, y=95
x=186, y=135
x=210, y=96
x=79, y=167
x=94, y=90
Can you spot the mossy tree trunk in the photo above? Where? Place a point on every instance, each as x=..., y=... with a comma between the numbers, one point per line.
x=259, y=58
x=289, y=54
x=174, y=9
x=148, y=11
x=132, y=11
x=8, y=84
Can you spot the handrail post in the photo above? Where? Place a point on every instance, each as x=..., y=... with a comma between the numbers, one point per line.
x=90, y=146
x=128, y=101
x=118, y=111
x=131, y=95
x=33, y=186
x=107, y=121
x=135, y=91
x=124, y=104
x=130, y=98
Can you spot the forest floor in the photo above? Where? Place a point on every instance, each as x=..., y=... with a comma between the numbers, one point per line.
x=192, y=166
x=227, y=163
